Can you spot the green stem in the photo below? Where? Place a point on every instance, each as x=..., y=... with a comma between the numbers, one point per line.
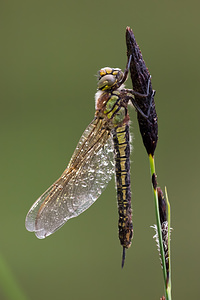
x=153, y=171
x=8, y=283
x=169, y=250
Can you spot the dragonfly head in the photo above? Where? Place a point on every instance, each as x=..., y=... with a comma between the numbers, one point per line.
x=109, y=79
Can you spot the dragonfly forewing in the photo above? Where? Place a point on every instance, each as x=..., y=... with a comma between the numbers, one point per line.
x=88, y=173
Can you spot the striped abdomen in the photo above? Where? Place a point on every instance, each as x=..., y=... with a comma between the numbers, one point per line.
x=122, y=168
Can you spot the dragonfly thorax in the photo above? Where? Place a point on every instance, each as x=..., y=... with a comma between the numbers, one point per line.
x=109, y=78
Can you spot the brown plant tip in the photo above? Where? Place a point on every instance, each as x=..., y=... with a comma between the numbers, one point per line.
x=164, y=230
x=140, y=78
x=154, y=181
x=162, y=206
x=163, y=298
x=164, y=226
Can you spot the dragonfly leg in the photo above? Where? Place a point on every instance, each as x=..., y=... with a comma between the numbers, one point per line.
x=125, y=72
x=140, y=95
x=137, y=94
x=127, y=68
x=146, y=116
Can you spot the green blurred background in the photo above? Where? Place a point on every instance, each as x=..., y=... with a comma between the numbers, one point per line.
x=50, y=52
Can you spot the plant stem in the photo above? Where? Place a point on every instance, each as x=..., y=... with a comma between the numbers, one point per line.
x=153, y=172
x=9, y=285
x=169, y=250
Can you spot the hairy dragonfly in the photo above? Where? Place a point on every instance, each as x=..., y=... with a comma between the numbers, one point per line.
x=103, y=149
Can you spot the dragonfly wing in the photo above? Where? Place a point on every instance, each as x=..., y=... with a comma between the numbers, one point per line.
x=89, y=171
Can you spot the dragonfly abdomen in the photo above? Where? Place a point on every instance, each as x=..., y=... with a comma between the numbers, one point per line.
x=122, y=169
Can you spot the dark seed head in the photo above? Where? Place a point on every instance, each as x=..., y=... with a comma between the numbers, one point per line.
x=140, y=78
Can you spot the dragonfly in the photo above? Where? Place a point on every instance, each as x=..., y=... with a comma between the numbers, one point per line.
x=103, y=149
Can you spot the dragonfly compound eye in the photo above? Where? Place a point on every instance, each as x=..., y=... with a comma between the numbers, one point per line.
x=108, y=78
x=106, y=82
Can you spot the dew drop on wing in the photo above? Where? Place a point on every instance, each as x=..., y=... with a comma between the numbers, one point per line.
x=91, y=177
x=84, y=184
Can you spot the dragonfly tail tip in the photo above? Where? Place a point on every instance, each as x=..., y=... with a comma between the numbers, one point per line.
x=123, y=256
